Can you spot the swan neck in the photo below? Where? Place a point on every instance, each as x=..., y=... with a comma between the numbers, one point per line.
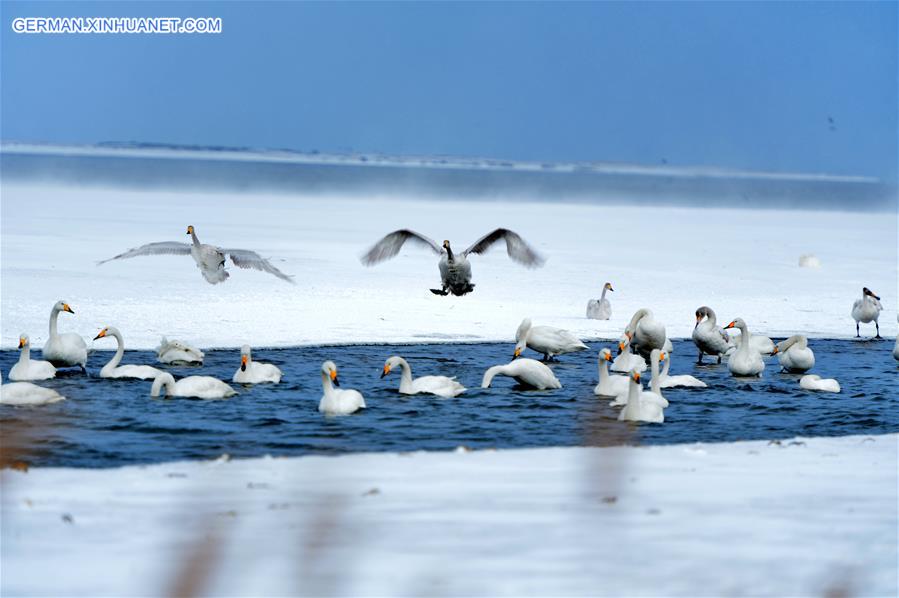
x=641, y=313
x=603, y=295
x=119, y=352
x=449, y=253
x=327, y=387
x=603, y=370
x=406, y=376
x=744, y=336
x=654, y=367
x=490, y=374
x=25, y=355
x=194, y=238
x=633, y=396
x=54, y=314
x=163, y=380
x=667, y=366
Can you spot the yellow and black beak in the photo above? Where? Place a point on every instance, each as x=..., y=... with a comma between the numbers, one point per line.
x=636, y=376
x=731, y=325
x=101, y=334
x=776, y=349
x=611, y=289
x=334, y=378
x=608, y=356
x=190, y=229
x=21, y=342
x=663, y=356
x=517, y=353
x=698, y=320
x=385, y=371
x=243, y=363
x=620, y=347
x=65, y=307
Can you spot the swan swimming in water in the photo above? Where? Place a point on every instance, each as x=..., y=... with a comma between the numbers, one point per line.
x=527, y=372
x=198, y=387
x=26, y=393
x=255, y=372
x=815, y=382
x=441, y=386
x=455, y=269
x=794, y=354
x=30, y=369
x=867, y=310
x=641, y=406
x=178, y=353
x=627, y=361
x=67, y=349
x=708, y=337
x=114, y=370
x=209, y=258
x=655, y=388
x=746, y=360
x=548, y=340
x=685, y=380
x=646, y=333
x=337, y=401
x=601, y=309
x=609, y=385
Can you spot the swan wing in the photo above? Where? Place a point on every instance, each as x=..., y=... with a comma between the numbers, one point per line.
x=516, y=247
x=162, y=248
x=246, y=259
x=391, y=244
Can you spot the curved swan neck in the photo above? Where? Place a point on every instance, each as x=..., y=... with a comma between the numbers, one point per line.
x=163, y=380
x=327, y=387
x=405, y=375
x=633, y=396
x=632, y=325
x=54, y=314
x=119, y=352
x=193, y=237
x=449, y=253
x=666, y=367
x=711, y=317
x=603, y=369
x=490, y=374
x=603, y=296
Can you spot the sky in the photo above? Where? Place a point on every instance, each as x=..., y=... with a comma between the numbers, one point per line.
x=739, y=85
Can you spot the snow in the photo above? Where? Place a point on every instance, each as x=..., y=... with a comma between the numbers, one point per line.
x=670, y=259
x=802, y=517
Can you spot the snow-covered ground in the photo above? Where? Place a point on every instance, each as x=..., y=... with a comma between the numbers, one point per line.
x=799, y=518
x=741, y=262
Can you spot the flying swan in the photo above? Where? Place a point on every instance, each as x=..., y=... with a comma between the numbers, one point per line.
x=546, y=339
x=255, y=372
x=527, y=372
x=114, y=370
x=198, y=387
x=601, y=309
x=441, y=386
x=336, y=401
x=67, y=349
x=30, y=369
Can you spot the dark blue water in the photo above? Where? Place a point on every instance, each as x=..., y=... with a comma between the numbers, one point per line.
x=108, y=423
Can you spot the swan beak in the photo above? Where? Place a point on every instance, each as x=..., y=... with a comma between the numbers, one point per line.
x=517, y=353
x=385, y=371
x=731, y=325
x=21, y=342
x=663, y=356
x=636, y=376
x=698, y=320
x=101, y=335
x=774, y=352
x=608, y=357
x=611, y=289
x=869, y=292
x=65, y=307
x=334, y=378
x=243, y=363
x=620, y=348
x=190, y=229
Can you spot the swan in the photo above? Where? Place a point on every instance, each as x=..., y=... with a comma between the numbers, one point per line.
x=708, y=337
x=254, y=372
x=455, y=270
x=178, y=353
x=641, y=406
x=114, y=370
x=601, y=309
x=441, y=386
x=64, y=350
x=666, y=381
x=794, y=354
x=645, y=333
x=527, y=372
x=867, y=310
x=200, y=387
x=627, y=361
x=209, y=258
x=546, y=339
x=336, y=401
x=815, y=382
x=609, y=385
x=654, y=358
x=27, y=368
x=762, y=344
x=745, y=361
x=26, y=393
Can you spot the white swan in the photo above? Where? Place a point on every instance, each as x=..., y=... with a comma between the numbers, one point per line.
x=26, y=393
x=255, y=372
x=761, y=344
x=686, y=380
x=441, y=386
x=746, y=360
x=336, y=401
x=867, y=310
x=645, y=332
x=64, y=350
x=627, y=361
x=178, y=353
x=114, y=370
x=527, y=372
x=609, y=385
x=546, y=339
x=641, y=406
x=30, y=369
x=200, y=387
x=794, y=354
x=654, y=383
x=209, y=258
x=708, y=337
x=601, y=309
x=815, y=382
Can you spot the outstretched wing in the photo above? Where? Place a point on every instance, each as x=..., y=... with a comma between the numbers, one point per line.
x=391, y=244
x=516, y=247
x=246, y=259
x=163, y=248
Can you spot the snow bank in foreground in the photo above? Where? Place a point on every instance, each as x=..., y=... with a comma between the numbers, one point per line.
x=742, y=263
x=804, y=517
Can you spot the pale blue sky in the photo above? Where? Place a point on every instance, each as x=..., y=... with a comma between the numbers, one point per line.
x=730, y=84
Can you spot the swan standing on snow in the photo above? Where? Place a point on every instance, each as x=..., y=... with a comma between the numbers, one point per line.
x=546, y=339
x=64, y=350
x=794, y=354
x=254, y=372
x=609, y=385
x=441, y=386
x=209, y=258
x=114, y=370
x=746, y=360
x=199, y=387
x=815, y=382
x=27, y=368
x=601, y=309
x=654, y=359
x=627, y=361
x=527, y=372
x=26, y=393
x=178, y=353
x=708, y=337
x=686, y=380
x=336, y=401
x=455, y=270
x=867, y=310
x=646, y=333
x=641, y=406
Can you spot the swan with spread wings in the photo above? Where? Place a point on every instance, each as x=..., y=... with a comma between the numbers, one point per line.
x=455, y=269
x=209, y=258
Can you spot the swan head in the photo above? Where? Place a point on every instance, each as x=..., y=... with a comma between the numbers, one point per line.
x=701, y=312
x=869, y=293
x=63, y=306
x=392, y=362
x=23, y=340
x=519, y=347
x=190, y=229
x=623, y=342
x=635, y=376
x=102, y=333
x=662, y=355
x=736, y=323
x=244, y=357
x=605, y=354
x=608, y=286
x=329, y=369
